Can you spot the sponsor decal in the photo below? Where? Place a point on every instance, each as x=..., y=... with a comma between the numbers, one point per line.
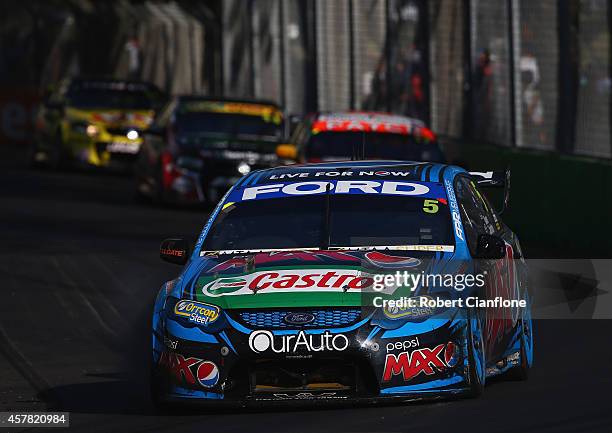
x=197, y=312
x=208, y=374
x=365, y=122
x=386, y=261
x=268, y=113
x=409, y=310
x=454, y=207
x=440, y=248
x=172, y=252
x=403, y=345
x=265, y=341
x=425, y=361
x=290, y=281
x=283, y=256
x=170, y=344
x=299, y=318
x=307, y=174
x=123, y=147
x=502, y=283
x=355, y=186
x=190, y=370
x=514, y=358
x=309, y=396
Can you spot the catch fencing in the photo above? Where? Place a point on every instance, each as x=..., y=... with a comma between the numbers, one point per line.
x=517, y=73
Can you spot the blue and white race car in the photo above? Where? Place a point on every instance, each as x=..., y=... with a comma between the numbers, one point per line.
x=362, y=280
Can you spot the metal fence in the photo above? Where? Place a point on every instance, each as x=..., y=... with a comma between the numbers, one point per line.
x=170, y=44
x=522, y=73
x=506, y=72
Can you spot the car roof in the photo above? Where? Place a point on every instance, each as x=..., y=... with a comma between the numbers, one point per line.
x=103, y=82
x=187, y=98
x=419, y=171
x=369, y=115
x=367, y=121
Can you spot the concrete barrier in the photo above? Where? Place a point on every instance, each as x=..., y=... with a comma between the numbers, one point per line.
x=559, y=204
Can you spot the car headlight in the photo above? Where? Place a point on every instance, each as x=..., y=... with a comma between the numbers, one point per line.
x=132, y=134
x=92, y=130
x=85, y=129
x=244, y=168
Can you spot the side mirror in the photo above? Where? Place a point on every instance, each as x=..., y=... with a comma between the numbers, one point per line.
x=174, y=251
x=490, y=247
x=286, y=151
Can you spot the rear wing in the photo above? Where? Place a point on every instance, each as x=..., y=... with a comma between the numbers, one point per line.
x=494, y=179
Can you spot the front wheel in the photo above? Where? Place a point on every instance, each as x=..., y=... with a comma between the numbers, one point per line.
x=57, y=154
x=521, y=371
x=476, y=357
x=159, y=404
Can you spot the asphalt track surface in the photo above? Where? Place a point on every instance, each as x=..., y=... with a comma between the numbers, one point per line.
x=79, y=269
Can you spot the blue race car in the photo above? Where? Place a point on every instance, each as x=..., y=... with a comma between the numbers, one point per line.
x=362, y=280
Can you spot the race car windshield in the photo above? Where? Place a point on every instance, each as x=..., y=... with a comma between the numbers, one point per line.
x=110, y=98
x=378, y=145
x=224, y=124
x=354, y=221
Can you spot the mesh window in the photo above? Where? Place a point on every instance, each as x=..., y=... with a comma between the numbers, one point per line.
x=369, y=29
x=491, y=80
x=537, y=66
x=593, y=110
x=266, y=49
x=446, y=72
x=333, y=54
x=294, y=44
x=237, y=60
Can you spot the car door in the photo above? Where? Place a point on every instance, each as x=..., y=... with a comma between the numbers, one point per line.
x=501, y=276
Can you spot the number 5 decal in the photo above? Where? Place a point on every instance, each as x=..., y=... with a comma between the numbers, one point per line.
x=430, y=206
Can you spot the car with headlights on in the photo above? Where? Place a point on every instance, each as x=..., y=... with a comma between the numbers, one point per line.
x=285, y=297
x=338, y=136
x=198, y=147
x=94, y=122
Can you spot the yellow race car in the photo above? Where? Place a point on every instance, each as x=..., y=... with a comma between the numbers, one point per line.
x=94, y=122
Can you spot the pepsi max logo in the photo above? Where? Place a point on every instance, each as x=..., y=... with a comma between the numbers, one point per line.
x=299, y=318
x=208, y=374
x=386, y=261
x=190, y=371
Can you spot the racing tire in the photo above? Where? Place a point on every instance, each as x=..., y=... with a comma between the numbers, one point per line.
x=57, y=154
x=521, y=371
x=159, y=405
x=476, y=357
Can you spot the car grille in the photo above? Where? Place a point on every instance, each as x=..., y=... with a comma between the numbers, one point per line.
x=323, y=318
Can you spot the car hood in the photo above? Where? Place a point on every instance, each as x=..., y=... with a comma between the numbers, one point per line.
x=228, y=147
x=139, y=119
x=304, y=278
